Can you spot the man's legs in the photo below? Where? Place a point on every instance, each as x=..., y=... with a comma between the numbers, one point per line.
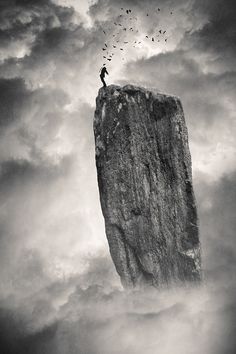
x=103, y=81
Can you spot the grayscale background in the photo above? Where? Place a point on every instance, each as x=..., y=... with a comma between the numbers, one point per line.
x=59, y=292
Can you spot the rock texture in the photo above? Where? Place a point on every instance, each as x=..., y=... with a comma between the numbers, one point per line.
x=145, y=184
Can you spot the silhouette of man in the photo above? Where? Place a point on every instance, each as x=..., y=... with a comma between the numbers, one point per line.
x=102, y=75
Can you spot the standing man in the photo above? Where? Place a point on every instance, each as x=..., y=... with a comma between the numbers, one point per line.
x=102, y=75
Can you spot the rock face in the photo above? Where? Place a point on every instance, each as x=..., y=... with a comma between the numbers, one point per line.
x=145, y=184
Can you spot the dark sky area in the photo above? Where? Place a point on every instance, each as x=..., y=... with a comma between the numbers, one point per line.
x=59, y=292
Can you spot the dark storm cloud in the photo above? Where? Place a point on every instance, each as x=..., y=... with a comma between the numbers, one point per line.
x=13, y=96
x=21, y=23
x=218, y=34
x=15, y=339
x=19, y=172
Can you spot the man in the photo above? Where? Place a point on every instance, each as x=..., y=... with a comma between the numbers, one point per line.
x=102, y=75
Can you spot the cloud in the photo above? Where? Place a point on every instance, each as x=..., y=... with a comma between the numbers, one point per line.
x=13, y=95
x=217, y=36
x=216, y=204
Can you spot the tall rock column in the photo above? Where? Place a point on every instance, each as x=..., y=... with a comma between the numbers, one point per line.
x=145, y=184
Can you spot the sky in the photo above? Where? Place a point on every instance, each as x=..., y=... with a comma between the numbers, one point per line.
x=59, y=292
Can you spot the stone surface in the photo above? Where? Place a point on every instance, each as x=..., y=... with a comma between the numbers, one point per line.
x=145, y=184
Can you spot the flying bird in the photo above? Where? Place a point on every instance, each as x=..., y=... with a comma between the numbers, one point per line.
x=166, y=40
x=114, y=46
x=152, y=39
x=160, y=31
x=164, y=32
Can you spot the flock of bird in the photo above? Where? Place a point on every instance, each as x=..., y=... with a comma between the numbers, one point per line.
x=128, y=27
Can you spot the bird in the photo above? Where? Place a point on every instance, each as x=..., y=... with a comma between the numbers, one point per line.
x=166, y=40
x=127, y=11
x=164, y=32
x=146, y=36
x=104, y=57
x=152, y=39
x=160, y=31
x=159, y=9
x=147, y=14
x=103, y=48
x=104, y=32
x=105, y=45
x=171, y=13
x=121, y=49
x=114, y=46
